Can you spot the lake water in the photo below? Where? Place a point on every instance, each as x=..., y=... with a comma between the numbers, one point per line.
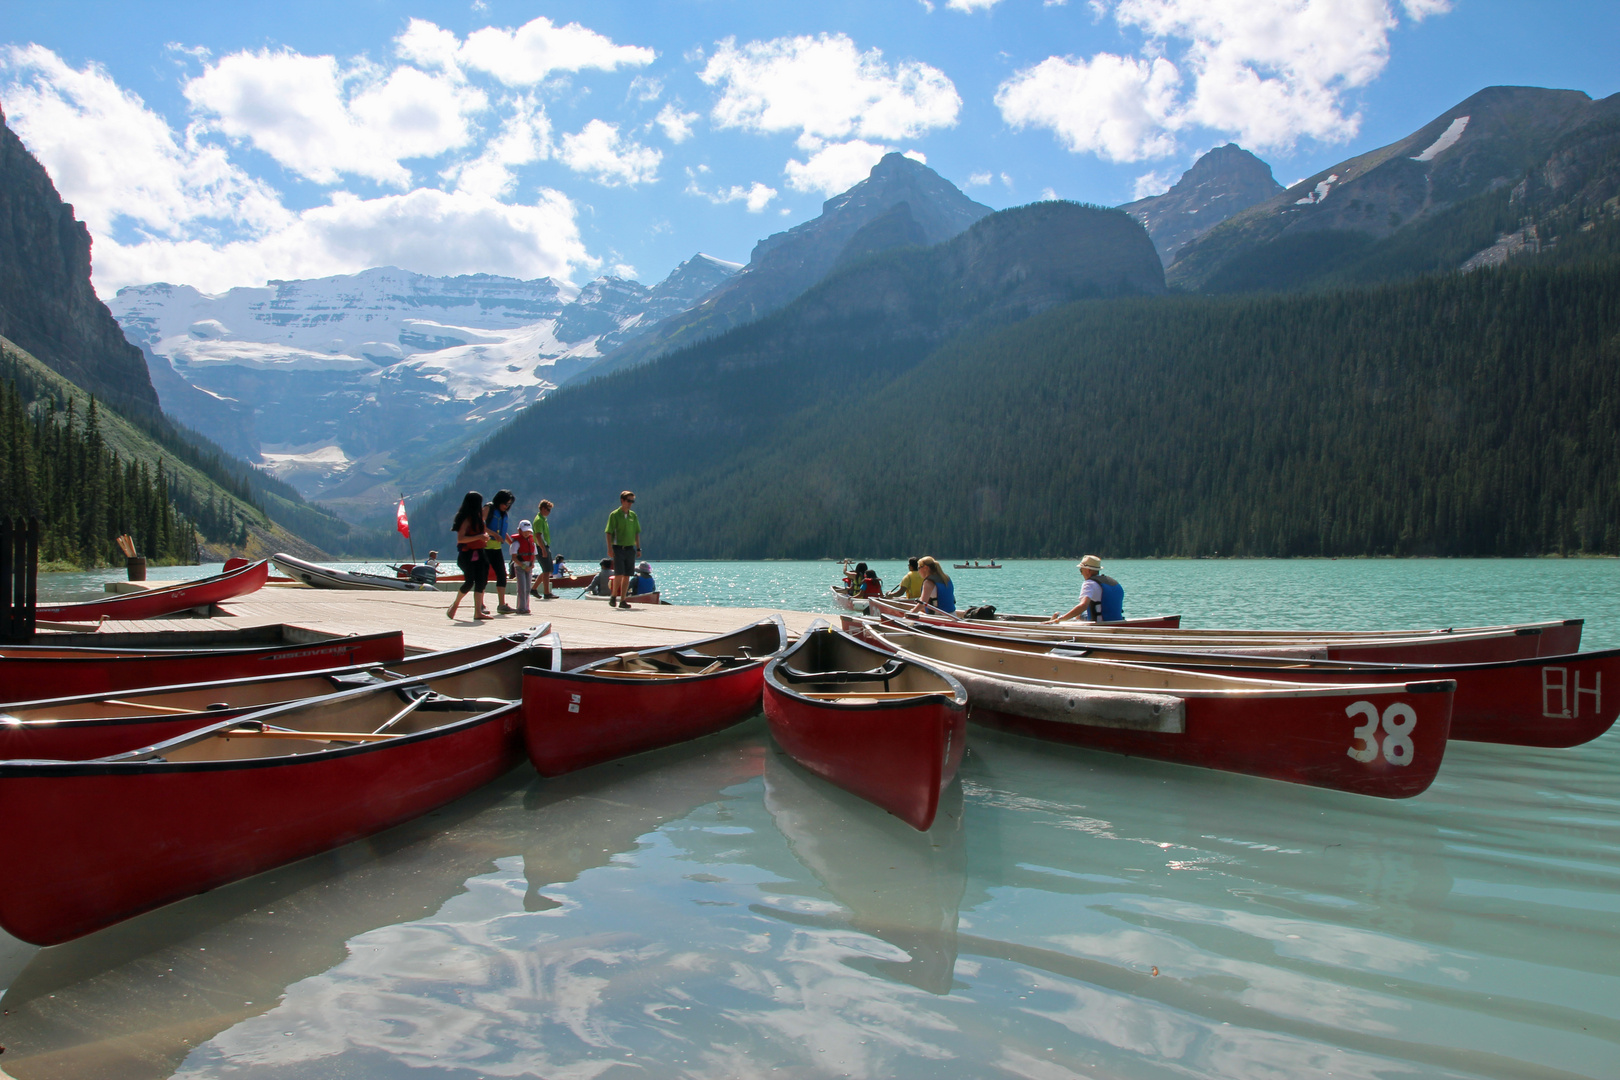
x=714, y=911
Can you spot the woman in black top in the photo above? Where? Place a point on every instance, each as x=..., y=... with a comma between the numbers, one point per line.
x=471, y=536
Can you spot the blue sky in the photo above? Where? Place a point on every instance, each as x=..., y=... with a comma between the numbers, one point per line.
x=225, y=144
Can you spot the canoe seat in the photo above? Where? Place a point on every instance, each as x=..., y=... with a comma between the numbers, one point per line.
x=704, y=660
x=888, y=671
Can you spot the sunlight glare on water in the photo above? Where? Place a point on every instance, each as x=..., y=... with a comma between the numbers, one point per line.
x=715, y=911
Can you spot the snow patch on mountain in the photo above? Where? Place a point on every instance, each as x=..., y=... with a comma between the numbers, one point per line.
x=362, y=385
x=1448, y=138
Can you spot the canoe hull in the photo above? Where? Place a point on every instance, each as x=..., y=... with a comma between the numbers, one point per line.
x=898, y=756
x=575, y=720
x=156, y=603
x=1306, y=741
x=326, y=577
x=29, y=678
x=87, y=845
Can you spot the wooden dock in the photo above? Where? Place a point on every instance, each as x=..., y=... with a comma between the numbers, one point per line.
x=421, y=615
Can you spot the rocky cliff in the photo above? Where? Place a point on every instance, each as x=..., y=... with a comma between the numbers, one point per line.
x=47, y=305
x=1225, y=181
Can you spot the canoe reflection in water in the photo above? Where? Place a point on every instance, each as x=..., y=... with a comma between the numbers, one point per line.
x=898, y=885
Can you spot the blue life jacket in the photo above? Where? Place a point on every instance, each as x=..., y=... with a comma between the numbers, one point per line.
x=1113, y=602
x=945, y=596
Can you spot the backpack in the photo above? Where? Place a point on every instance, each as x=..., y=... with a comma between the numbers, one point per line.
x=983, y=611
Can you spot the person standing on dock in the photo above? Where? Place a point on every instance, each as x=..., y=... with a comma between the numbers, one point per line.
x=1102, y=599
x=471, y=537
x=624, y=547
x=500, y=534
x=524, y=552
x=542, y=536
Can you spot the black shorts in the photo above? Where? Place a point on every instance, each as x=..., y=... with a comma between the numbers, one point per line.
x=474, y=570
x=543, y=564
x=497, y=566
x=624, y=560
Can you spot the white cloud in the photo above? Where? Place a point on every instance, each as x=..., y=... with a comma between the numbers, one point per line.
x=756, y=197
x=979, y=179
x=322, y=121
x=1114, y=106
x=525, y=56
x=624, y=270
x=1152, y=183
x=822, y=87
x=426, y=231
x=117, y=161
x=599, y=150
x=835, y=167
x=646, y=88
x=677, y=125
x=1048, y=195
x=524, y=137
x=970, y=6
x=1267, y=72
x=163, y=208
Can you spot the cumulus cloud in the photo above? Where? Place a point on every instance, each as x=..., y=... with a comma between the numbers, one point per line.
x=756, y=197
x=835, y=167
x=426, y=231
x=526, y=55
x=1152, y=183
x=164, y=207
x=323, y=121
x=1267, y=72
x=979, y=179
x=524, y=137
x=970, y=6
x=825, y=88
x=117, y=161
x=677, y=125
x=837, y=99
x=599, y=151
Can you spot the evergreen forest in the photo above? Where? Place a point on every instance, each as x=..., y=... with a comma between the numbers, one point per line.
x=55, y=465
x=1458, y=414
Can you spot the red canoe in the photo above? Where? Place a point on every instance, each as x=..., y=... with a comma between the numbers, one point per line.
x=1467, y=646
x=1552, y=701
x=641, y=701
x=897, y=607
x=29, y=674
x=88, y=844
x=156, y=603
x=1369, y=739
x=889, y=730
x=97, y=725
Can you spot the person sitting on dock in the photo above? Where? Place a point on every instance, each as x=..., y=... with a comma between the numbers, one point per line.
x=1102, y=599
x=602, y=584
x=938, y=593
x=870, y=585
x=643, y=582
x=911, y=585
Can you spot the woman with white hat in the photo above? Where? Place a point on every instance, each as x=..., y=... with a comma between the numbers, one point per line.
x=1102, y=599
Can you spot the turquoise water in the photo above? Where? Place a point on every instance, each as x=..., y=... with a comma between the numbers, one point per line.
x=714, y=911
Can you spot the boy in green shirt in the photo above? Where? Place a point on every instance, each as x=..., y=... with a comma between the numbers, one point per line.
x=542, y=536
x=624, y=545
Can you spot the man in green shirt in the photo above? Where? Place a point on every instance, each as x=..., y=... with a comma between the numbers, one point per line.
x=624, y=545
x=542, y=536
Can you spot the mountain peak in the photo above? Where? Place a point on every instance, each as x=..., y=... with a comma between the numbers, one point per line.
x=1223, y=182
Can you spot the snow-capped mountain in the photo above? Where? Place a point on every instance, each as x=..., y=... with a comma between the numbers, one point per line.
x=355, y=388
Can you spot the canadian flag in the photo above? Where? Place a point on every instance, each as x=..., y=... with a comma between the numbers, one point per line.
x=404, y=522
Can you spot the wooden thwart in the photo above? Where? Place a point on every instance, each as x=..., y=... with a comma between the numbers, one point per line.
x=323, y=736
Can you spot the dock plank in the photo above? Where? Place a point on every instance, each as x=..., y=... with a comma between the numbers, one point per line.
x=582, y=623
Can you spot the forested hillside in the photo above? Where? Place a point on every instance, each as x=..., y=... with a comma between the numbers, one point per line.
x=727, y=398
x=91, y=474
x=1473, y=414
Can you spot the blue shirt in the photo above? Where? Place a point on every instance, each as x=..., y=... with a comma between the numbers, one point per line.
x=642, y=583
